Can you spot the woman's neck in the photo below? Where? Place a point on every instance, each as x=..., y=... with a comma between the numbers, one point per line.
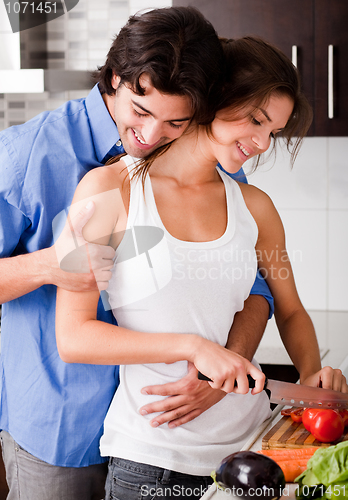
x=188, y=160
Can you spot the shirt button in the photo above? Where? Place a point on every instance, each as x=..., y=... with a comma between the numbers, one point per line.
x=119, y=143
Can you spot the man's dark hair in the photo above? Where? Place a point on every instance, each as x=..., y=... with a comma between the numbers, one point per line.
x=177, y=47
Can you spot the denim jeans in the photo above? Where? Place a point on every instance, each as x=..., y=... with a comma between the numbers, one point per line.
x=29, y=478
x=135, y=481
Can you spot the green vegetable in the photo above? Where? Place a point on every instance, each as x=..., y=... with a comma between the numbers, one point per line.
x=326, y=475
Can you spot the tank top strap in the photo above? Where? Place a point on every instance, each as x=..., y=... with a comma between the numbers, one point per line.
x=136, y=191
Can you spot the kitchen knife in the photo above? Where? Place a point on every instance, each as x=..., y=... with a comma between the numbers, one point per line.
x=285, y=393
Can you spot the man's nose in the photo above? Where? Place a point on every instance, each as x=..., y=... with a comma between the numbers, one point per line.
x=152, y=132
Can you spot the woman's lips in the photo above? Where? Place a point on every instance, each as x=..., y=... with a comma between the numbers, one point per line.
x=245, y=151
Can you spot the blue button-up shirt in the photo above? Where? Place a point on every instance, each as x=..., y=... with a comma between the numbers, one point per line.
x=53, y=410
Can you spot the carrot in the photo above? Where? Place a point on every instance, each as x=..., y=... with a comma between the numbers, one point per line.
x=292, y=461
x=292, y=468
x=289, y=453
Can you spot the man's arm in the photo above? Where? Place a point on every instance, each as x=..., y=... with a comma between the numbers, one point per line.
x=249, y=326
x=189, y=397
x=22, y=274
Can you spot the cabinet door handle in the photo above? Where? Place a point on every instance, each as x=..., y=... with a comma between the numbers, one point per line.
x=294, y=55
x=330, y=81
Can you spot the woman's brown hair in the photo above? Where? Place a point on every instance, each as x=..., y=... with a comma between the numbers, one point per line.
x=253, y=71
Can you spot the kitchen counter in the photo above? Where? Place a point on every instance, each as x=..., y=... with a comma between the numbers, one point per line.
x=254, y=444
x=255, y=441
x=331, y=328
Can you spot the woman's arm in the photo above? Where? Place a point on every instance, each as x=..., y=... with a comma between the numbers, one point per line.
x=295, y=326
x=81, y=338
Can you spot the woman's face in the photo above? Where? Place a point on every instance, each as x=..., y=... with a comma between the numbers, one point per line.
x=237, y=141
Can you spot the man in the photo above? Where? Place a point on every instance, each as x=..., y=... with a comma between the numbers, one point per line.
x=52, y=413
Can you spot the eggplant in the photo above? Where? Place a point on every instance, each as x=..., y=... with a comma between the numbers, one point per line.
x=251, y=475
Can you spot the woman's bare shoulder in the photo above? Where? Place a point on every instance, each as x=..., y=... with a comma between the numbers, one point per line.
x=258, y=202
x=106, y=187
x=105, y=178
x=254, y=196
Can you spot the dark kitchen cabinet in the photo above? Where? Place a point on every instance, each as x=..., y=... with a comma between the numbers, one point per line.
x=330, y=21
x=308, y=27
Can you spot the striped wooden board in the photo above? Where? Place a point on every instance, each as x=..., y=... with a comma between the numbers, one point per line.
x=289, y=434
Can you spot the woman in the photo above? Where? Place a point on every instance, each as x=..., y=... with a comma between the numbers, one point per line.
x=188, y=241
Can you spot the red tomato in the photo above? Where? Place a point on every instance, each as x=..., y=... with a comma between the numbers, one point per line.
x=344, y=415
x=296, y=415
x=308, y=416
x=287, y=412
x=327, y=426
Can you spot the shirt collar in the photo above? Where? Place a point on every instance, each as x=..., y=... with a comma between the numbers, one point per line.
x=103, y=127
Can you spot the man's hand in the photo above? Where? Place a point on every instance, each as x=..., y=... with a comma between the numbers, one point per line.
x=328, y=378
x=79, y=265
x=188, y=398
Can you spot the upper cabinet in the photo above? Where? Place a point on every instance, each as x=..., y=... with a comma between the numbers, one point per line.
x=331, y=67
x=313, y=33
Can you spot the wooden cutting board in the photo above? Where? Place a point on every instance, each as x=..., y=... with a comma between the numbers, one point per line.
x=289, y=434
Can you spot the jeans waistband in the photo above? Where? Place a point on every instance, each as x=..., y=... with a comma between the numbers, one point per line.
x=149, y=470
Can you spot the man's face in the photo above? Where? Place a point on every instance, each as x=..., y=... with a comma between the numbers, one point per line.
x=150, y=121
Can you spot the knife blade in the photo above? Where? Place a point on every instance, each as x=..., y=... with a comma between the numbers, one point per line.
x=286, y=393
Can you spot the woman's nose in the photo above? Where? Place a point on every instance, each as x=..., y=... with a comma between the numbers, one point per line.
x=262, y=140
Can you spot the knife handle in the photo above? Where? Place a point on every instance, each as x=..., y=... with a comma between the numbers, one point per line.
x=250, y=379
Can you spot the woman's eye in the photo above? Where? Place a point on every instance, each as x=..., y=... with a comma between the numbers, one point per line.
x=254, y=121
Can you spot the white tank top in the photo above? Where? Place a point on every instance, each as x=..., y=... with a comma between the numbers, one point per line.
x=162, y=284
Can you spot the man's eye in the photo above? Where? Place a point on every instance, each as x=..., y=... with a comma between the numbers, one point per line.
x=138, y=114
x=174, y=125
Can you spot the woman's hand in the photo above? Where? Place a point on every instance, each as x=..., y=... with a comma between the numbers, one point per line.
x=328, y=378
x=227, y=370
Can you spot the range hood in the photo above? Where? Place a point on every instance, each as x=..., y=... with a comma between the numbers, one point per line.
x=16, y=79
x=13, y=79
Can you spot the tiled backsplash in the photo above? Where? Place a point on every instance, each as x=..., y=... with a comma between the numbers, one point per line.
x=79, y=40
x=312, y=198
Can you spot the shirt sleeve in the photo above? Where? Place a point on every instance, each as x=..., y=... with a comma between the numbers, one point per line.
x=260, y=286
x=12, y=220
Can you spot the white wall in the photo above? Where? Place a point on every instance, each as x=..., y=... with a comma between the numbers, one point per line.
x=312, y=200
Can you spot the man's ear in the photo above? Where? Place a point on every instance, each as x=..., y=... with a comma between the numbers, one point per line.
x=115, y=81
